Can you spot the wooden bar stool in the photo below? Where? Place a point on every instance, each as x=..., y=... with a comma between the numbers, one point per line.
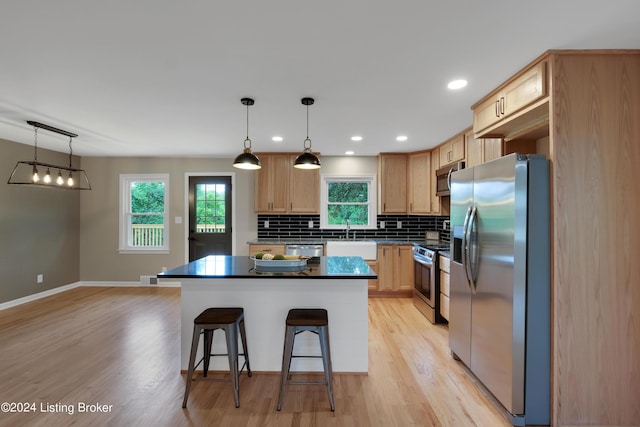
x=312, y=320
x=231, y=320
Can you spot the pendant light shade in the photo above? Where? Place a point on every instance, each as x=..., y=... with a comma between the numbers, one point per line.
x=307, y=160
x=247, y=160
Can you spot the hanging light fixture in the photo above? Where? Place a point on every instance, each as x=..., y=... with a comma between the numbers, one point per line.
x=247, y=160
x=307, y=160
x=26, y=172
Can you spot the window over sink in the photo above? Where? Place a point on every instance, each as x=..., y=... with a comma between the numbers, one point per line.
x=349, y=198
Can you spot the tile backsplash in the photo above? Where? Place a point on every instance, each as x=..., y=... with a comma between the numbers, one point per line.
x=293, y=227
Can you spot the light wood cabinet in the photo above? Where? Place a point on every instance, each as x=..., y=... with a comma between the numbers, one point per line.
x=267, y=249
x=373, y=283
x=304, y=189
x=272, y=184
x=435, y=165
x=395, y=269
x=521, y=91
x=481, y=150
x=452, y=150
x=392, y=182
x=419, y=183
x=444, y=286
x=281, y=188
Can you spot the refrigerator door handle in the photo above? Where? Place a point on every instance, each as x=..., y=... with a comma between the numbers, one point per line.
x=473, y=261
x=465, y=252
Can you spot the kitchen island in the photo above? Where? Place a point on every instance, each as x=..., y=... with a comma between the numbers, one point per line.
x=338, y=284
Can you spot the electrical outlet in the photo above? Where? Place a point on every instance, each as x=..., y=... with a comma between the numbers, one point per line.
x=399, y=224
x=381, y=224
x=266, y=224
x=310, y=224
x=40, y=278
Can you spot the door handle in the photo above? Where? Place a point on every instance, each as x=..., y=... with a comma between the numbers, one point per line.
x=465, y=253
x=473, y=263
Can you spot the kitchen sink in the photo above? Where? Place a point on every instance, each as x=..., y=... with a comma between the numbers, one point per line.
x=367, y=249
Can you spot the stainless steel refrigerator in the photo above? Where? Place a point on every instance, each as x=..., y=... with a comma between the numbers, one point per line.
x=499, y=320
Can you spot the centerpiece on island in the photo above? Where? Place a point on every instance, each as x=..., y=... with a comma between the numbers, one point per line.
x=279, y=262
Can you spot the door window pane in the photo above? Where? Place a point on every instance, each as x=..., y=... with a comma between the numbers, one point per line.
x=210, y=208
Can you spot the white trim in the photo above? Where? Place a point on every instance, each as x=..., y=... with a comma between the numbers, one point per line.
x=64, y=288
x=186, y=208
x=124, y=246
x=371, y=178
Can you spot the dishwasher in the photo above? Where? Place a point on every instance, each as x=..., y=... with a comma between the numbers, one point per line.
x=314, y=252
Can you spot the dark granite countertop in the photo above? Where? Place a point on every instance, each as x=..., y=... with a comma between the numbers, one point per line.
x=236, y=267
x=287, y=241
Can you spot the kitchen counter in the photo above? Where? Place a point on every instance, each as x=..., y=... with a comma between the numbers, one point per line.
x=319, y=241
x=238, y=267
x=337, y=284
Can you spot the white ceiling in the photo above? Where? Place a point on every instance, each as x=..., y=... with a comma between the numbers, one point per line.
x=165, y=77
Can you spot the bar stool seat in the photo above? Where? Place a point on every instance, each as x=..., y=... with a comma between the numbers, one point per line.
x=313, y=320
x=231, y=320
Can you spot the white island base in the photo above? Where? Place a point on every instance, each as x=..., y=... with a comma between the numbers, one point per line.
x=266, y=302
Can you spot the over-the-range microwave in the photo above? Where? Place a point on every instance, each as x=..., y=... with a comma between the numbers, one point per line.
x=443, y=178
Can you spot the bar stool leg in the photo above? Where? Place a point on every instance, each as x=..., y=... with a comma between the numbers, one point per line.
x=326, y=361
x=286, y=361
x=232, y=351
x=192, y=361
x=206, y=354
x=243, y=337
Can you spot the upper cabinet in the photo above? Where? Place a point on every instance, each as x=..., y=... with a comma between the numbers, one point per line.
x=480, y=150
x=392, y=182
x=304, y=189
x=419, y=183
x=452, y=150
x=515, y=97
x=281, y=188
x=435, y=165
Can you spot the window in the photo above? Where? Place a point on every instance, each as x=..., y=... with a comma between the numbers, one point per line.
x=144, y=219
x=350, y=198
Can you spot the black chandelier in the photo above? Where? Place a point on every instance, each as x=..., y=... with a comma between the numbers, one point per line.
x=29, y=172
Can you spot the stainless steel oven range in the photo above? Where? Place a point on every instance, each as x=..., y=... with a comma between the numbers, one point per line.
x=426, y=292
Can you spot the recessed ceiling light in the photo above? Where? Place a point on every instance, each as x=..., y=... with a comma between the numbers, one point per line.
x=277, y=138
x=457, y=84
x=401, y=138
x=349, y=153
x=356, y=138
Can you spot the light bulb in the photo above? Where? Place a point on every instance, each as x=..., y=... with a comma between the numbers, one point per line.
x=36, y=177
x=47, y=176
x=70, y=180
x=60, y=179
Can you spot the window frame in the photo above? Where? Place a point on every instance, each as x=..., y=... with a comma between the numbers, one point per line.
x=372, y=199
x=124, y=246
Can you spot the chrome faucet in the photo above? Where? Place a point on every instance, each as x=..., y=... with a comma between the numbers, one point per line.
x=348, y=228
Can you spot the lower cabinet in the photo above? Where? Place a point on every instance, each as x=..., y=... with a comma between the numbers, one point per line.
x=444, y=286
x=267, y=249
x=373, y=283
x=395, y=270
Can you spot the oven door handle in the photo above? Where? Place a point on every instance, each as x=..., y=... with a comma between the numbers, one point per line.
x=419, y=261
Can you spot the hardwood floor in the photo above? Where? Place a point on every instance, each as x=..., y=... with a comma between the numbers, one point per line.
x=119, y=347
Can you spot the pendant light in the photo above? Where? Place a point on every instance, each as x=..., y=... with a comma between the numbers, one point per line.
x=247, y=160
x=307, y=160
x=26, y=172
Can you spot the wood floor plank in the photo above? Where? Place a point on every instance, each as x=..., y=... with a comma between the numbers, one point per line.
x=120, y=348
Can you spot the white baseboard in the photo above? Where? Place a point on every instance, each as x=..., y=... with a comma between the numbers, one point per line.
x=47, y=293
x=37, y=296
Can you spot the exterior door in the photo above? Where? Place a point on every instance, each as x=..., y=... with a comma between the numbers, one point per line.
x=209, y=216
